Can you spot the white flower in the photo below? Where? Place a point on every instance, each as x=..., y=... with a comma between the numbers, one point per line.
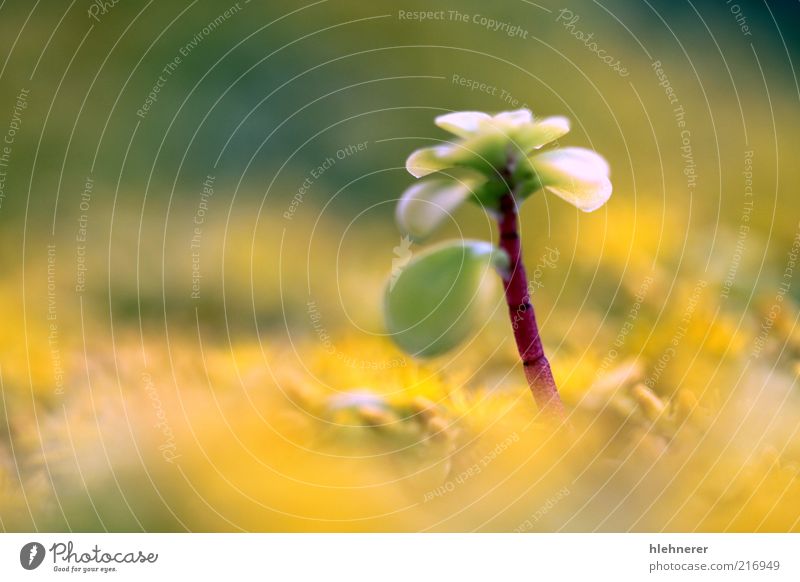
x=491, y=155
x=487, y=141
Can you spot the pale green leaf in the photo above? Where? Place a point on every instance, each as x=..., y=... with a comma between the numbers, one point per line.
x=427, y=203
x=426, y=161
x=441, y=296
x=577, y=175
x=541, y=132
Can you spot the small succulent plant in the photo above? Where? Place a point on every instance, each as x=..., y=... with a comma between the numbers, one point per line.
x=497, y=162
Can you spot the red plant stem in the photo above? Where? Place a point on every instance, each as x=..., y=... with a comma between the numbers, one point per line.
x=523, y=320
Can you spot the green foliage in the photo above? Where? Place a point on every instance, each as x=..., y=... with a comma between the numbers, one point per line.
x=440, y=297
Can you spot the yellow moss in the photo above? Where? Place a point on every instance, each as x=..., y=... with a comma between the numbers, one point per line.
x=406, y=448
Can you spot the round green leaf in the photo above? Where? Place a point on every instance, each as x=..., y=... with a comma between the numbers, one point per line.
x=441, y=295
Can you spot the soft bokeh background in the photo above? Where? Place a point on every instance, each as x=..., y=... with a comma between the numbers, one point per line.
x=271, y=399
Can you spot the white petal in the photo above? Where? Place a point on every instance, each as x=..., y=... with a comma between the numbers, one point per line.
x=461, y=123
x=577, y=161
x=425, y=161
x=515, y=118
x=577, y=175
x=427, y=203
x=586, y=196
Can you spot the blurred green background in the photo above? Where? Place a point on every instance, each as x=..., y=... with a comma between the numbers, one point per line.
x=270, y=92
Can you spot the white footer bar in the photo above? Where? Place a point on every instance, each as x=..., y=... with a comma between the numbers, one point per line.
x=406, y=557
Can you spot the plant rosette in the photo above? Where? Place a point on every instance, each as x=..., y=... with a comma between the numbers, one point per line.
x=496, y=161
